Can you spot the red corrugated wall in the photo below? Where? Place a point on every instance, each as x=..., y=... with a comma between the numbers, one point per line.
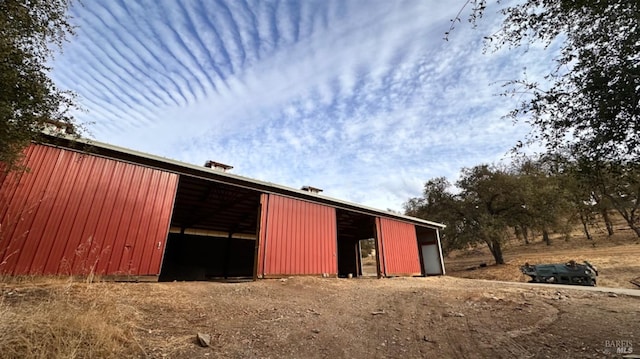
x=296, y=237
x=399, y=253
x=262, y=234
x=380, y=249
x=75, y=213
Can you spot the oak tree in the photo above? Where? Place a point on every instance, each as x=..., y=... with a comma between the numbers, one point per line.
x=30, y=32
x=590, y=99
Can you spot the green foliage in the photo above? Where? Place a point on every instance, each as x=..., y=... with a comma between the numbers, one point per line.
x=493, y=203
x=585, y=111
x=439, y=204
x=546, y=197
x=29, y=98
x=487, y=205
x=589, y=101
x=551, y=194
x=618, y=186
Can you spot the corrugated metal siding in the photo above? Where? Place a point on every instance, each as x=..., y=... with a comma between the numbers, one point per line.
x=380, y=250
x=74, y=213
x=262, y=233
x=399, y=247
x=297, y=237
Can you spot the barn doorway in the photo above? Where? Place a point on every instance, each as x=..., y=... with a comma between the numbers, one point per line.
x=429, y=249
x=213, y=233
x=357, y=254
x=198, y=257
x=368, y=258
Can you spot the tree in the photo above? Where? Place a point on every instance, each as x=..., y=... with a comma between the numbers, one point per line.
x=620, y=185
x=493, y=205
x=486, y=208
x=439, y=204
x=590, y=100
x=583, y=181
x=29, y=99
x=546, y=199
x=581, y=198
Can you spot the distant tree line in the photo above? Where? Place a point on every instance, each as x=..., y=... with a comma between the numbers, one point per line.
x=490, y=204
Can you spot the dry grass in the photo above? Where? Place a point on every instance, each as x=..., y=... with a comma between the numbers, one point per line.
x=303, y=317
x=72, y=320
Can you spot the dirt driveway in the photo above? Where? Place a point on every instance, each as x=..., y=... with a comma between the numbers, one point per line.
x=301, y=317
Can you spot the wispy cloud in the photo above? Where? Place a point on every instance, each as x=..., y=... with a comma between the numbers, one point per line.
x=361, y=98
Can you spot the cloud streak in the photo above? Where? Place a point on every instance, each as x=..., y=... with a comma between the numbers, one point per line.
x=361, y=98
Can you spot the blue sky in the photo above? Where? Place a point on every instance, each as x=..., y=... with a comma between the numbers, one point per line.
x=363, y=99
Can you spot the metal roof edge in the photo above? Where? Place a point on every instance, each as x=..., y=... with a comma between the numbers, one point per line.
x=277, y=189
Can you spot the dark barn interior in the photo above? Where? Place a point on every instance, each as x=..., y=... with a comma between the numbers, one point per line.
x=213, y=231
x=193, y=257
x=352, y=227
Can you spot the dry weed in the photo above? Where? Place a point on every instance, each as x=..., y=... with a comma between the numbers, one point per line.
x=70, y=321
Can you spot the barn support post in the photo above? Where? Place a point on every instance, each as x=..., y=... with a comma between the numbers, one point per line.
x=256, y=250
x=227, y=248
x=440, y=251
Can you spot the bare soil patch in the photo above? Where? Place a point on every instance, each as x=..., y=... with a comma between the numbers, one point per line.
x=302, y=317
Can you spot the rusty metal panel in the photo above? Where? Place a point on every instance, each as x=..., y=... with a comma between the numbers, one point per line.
x=297, y=237
x=399, y=247
x=75, y=213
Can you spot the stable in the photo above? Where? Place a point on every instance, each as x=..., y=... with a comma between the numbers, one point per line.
x=88, y=208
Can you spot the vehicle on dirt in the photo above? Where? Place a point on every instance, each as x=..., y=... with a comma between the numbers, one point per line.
x=562, y=273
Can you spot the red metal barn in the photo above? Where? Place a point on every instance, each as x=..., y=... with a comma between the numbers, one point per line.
x=73, y=213
x=298, y=237
x=96, y=209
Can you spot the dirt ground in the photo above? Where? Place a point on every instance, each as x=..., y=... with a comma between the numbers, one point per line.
x=303, y=317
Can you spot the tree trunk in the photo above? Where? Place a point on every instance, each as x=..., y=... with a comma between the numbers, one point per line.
x=522, y=233
x=496, y=250
x=631, y=219
x=545, y=237
x=525, y=234
x=585, y=226
x=607, y=221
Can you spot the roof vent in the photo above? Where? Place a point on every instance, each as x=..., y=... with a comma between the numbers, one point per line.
x=53, y=127
x=311, y=189
x=217, y=166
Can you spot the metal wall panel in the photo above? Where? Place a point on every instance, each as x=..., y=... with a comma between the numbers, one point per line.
x=296, y=237
x=380, y=249
x=262, y=234
x=75, y=213
x=399, y=247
